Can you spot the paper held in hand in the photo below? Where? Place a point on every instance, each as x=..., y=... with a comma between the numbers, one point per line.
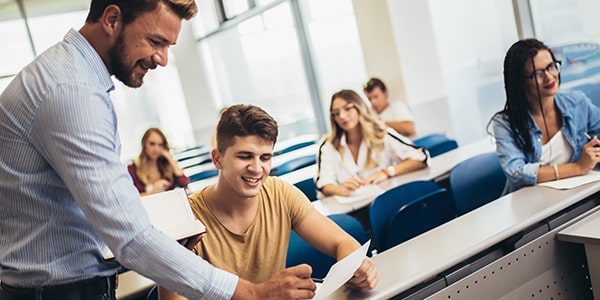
x=170, y=212
x=341, y=272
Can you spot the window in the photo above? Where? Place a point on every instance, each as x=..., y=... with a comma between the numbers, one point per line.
x=572, y=30
x=259, y=62
x=159, y=102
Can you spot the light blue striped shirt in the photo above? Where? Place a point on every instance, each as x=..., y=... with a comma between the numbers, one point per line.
x=65, y=194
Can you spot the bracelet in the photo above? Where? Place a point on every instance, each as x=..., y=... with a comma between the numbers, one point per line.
x=386, y=172
x=556, y=175
x=392, y=171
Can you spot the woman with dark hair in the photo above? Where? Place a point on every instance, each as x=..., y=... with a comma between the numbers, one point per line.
x=360, y=149
x=542, y=134
x=155, y=170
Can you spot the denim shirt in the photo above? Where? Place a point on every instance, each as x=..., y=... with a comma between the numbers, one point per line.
x=579, y=116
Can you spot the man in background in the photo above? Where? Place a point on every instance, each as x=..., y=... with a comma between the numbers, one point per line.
x=65, y=195
x=395, y=114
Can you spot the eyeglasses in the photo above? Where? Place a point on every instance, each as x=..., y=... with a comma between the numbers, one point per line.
x=539, y=75
x=335, y=113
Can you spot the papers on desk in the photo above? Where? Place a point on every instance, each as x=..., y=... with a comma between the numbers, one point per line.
x=569, y=183
x=362, y=193
x=341, y=272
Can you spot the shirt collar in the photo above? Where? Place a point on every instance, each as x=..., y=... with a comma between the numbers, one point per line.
x=92, y=57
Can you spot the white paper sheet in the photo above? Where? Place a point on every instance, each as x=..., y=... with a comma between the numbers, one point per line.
x=363, y=192
x=341, y=272
x=569, y=183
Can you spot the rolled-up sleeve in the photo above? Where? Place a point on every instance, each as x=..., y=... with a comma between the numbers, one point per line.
x=519, y=172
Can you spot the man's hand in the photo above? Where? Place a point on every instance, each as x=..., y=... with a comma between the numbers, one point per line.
x=192, y=241
x=365, y=278
x=291, y=283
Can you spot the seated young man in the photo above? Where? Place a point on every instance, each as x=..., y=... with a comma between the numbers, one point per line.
x=249, y=215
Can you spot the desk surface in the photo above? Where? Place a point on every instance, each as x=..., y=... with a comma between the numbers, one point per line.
x=423, y=257
x=438, y=166
x=585, y=231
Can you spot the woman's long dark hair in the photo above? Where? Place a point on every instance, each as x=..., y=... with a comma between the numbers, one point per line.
x=516, y=108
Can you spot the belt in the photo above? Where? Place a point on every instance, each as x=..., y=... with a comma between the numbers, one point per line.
x=79, y=290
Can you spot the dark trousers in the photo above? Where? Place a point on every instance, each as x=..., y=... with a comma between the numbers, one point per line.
x=97, y=288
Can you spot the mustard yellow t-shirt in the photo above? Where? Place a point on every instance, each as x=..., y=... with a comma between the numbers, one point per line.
x=261, y=251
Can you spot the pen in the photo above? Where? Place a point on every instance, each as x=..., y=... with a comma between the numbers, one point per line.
x=589, y=138
x=317, y=280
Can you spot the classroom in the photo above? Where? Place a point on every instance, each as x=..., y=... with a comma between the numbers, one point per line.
x=443, y=60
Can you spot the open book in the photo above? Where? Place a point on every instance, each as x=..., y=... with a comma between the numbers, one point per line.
x=170, y=212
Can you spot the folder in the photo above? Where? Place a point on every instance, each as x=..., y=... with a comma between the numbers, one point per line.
x=170, y=212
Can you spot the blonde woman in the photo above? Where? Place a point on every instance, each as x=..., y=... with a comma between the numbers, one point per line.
x=360, y=149
x=155, y=170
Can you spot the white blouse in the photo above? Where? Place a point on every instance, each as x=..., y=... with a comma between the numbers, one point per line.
x=332, y=168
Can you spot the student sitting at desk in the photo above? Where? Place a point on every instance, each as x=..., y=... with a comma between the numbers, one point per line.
x=249, y=215
x=360, y=149
x=155, y=170
x=542, y=134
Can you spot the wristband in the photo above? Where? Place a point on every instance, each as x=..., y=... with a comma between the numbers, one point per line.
x=392, y=171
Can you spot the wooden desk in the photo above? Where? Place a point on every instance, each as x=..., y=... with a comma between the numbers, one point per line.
x=426, y=256
x=439, y=167
x=587, y=232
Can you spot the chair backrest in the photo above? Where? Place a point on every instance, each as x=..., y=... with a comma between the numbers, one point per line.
x=436, y=143
x=419, y=216
x=152, y=293
x=387, y=204
x=476, y=181
x=300, y=252
x=294, y=164
x=308, y=187
x=203, y=174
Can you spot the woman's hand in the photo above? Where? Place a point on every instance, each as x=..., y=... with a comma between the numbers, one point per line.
x=590, y=155
x=160, y=185
x=376, y=177
x=351, y=185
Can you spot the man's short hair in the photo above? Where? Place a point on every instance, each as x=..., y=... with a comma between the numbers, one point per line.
x=243, y=120
x=131, y=9
x=372, y=84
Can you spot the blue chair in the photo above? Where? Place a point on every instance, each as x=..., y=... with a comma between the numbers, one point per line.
x=308, y=187
x=387, y=204
x=300, y=252
x=152, y=293
x=204, y=174
x=294, y=147
x=419, y=216
x=294, y=164
x=436, y=143
x=476, y=181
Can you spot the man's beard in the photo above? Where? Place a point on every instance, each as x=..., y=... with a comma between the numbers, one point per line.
x=117, y=55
